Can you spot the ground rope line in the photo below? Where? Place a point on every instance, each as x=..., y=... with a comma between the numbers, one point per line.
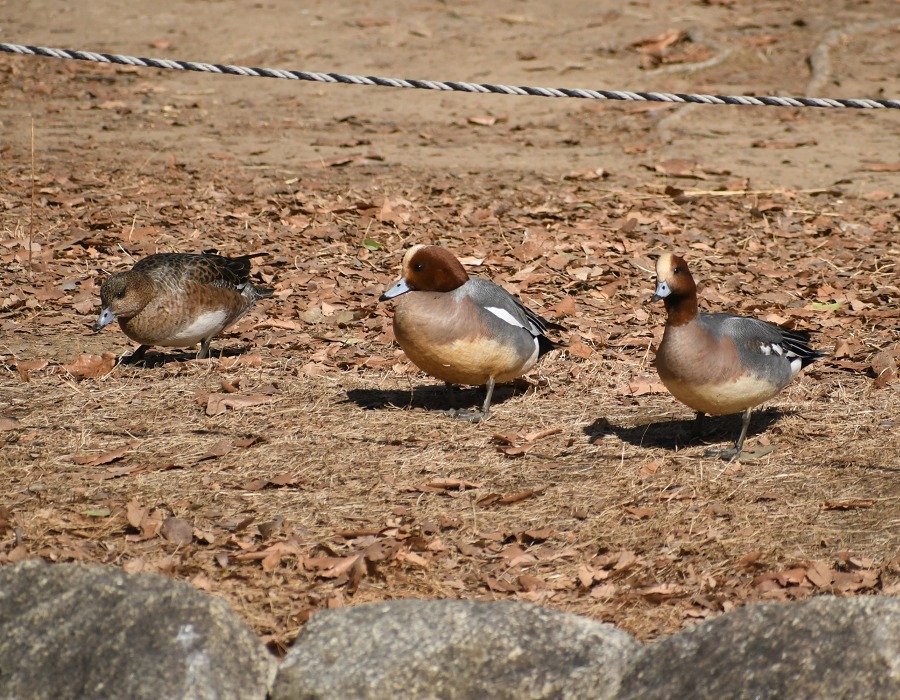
x=487, y=88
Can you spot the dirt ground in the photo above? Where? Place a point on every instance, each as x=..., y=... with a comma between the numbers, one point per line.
x=301, y=468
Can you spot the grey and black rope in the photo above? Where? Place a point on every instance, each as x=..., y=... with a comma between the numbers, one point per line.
x=486, y=88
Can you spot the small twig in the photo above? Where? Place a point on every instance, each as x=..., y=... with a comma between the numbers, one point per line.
x=31, y=220
x=534, y=437
x=743, y=193
x=697, y=37
x=820, y=59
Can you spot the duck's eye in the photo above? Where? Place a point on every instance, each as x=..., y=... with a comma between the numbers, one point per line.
x=121, y=293
x=418, y=267
x=676, y=271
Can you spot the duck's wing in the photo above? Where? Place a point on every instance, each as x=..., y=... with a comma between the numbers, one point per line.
x=493, y=298
x=761, y=337
x=205, y=268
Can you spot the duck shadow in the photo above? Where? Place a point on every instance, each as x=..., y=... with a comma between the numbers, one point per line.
x=434, y=397
x=160, y=358
x=675, y=434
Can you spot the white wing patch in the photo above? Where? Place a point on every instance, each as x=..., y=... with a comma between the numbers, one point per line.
x=779, y=350
x=776, y=348
x=504, y=315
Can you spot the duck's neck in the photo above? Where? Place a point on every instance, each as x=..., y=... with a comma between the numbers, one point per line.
x=681, y=309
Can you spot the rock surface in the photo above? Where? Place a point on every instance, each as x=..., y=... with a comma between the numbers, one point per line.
x=87, y=631
x=822, y=648
x=453, y=649
x=75, y=631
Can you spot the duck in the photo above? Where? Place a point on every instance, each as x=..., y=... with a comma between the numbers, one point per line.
x=720, y=363
x=463, y=330
x=179, y=299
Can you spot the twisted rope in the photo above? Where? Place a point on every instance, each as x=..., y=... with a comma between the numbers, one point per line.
x=450, y=86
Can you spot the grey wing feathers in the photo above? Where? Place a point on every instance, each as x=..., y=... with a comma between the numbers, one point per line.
x=753, y=331
x=488, y=294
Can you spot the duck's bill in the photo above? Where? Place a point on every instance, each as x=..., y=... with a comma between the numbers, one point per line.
x=106, y=317
x=401, y=287
x=662, y=291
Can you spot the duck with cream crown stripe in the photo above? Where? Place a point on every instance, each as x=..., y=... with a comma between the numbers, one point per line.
x=179, y=299
x=462, y=330
x=721, y=363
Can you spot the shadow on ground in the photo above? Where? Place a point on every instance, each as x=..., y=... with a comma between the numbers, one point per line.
x=438, y=397
x=676, y=434
x=160, y=358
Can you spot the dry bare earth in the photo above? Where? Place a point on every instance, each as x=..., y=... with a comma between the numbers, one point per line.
x=302, y=469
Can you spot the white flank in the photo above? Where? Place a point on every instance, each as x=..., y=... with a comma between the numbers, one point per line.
x=202, y=327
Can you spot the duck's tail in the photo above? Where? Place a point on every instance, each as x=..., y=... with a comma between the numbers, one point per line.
x=797, y=343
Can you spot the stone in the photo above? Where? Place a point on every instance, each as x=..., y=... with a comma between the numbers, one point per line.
x=414, y=649
x=822, y=648
x=89, y=631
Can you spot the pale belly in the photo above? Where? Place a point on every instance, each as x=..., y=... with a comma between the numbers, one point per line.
x=468, y=362
x=185, y=335
x=722, y=398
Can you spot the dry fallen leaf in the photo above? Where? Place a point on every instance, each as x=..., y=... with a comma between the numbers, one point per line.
x=637, y=513
x=661, y=592
x=105, y=457
x=820, y=574
x=217, y=449
x=516, y=451
x=677, y=167
x=26, y=367
x=177, y=531
x=586, y=174
x=91, y=366
x=578, y=348
x=520, y=496
x=219, y=403
x=641, y=387
x=884, y=365
x=135, y=513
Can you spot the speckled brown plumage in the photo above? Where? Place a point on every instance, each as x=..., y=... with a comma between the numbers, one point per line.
x=179, y=299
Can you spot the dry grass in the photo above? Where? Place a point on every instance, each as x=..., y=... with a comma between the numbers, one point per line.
x=357, y=469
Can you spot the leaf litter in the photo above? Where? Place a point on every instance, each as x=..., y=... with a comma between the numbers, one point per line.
x=300, y=469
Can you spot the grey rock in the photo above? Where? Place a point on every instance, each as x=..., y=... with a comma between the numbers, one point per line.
x=453, y=649
x=87, y=631
x=822, y=648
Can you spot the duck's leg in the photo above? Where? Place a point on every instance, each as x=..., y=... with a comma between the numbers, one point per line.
x=486, y=409
x=698, y=425
x=739, y=445
x=730, y=453
x=137, y=356
x=204, y=348
x=474, y=416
